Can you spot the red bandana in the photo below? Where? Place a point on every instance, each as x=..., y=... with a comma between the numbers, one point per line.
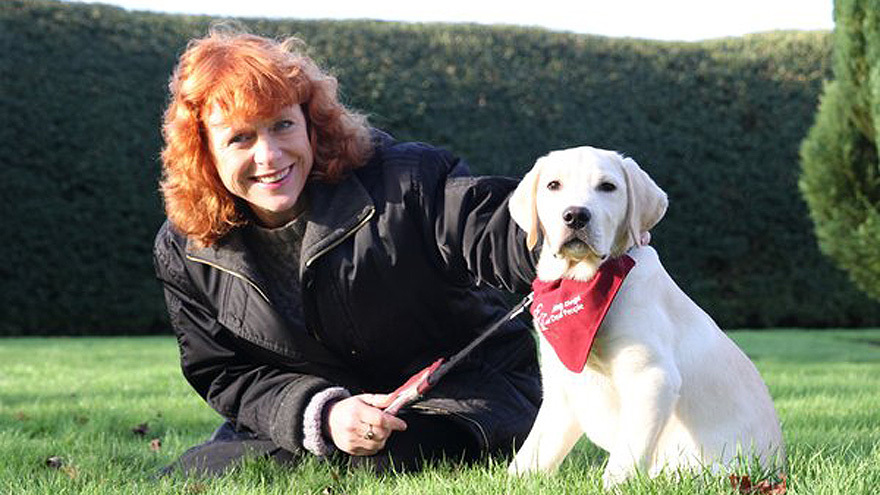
x=568, y=312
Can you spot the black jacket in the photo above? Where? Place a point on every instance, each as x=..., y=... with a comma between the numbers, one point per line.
x=396, y=267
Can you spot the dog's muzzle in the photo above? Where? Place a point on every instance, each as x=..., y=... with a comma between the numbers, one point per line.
x=578, y=247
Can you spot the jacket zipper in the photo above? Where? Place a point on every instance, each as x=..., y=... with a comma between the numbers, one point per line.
x=342, y=238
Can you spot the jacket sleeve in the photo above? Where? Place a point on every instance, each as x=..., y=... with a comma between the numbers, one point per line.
x=471, y=225
x=226, y=372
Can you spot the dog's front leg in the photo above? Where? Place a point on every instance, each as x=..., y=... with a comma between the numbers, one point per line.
x=553, y=434
x=648, y=386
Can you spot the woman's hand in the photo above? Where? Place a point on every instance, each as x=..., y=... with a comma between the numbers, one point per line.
x=358, y=426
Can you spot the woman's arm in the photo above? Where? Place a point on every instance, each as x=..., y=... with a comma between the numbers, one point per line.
x=471, y=224
x=225, y=370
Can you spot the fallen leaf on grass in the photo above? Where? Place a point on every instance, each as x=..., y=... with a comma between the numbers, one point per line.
x=141, y=429
x=156, y=445
x=70, y=471
x=764, y=487
x=57, y=462
x=196, y=488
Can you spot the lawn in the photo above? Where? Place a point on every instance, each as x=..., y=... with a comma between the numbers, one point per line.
x=102, y=415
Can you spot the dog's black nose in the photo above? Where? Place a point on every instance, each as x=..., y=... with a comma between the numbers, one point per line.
x=576, y=217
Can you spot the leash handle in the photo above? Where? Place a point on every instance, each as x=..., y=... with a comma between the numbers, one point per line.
x=422, y=381
x=413, y=389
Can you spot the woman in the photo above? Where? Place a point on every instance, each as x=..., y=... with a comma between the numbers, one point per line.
x=311, y=264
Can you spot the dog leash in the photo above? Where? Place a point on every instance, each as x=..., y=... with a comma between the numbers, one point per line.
x=424, y=380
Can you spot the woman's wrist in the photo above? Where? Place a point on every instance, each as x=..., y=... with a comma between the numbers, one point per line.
x=315, y=437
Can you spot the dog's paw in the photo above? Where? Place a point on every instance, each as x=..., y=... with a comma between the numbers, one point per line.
x=615, y=475
x=519, y=468
x=611, y=480
x=523, y=465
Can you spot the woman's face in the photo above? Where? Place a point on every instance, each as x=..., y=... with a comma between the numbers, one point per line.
x=264, y=161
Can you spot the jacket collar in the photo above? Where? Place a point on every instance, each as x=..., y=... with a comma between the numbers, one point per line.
x=336, y=211
x=229, y=254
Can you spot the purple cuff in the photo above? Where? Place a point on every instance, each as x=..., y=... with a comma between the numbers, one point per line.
x=313, y=420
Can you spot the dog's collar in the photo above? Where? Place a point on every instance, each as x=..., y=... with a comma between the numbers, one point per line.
x=568, y=313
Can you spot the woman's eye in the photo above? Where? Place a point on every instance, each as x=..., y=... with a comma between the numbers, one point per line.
x=607, y=187
x=237, y=139
x=283, y=125
x=554, y=185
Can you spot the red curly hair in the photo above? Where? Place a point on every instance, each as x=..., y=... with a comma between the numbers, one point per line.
x=246, y=76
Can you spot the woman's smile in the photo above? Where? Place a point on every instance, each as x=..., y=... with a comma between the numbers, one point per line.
x=274, y=178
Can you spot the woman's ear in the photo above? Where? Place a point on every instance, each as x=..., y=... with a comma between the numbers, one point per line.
x=522, y=205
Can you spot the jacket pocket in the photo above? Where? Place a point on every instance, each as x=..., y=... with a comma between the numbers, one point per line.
x=471, y=424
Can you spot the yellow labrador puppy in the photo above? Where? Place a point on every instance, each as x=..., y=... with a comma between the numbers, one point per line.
x=659, y=386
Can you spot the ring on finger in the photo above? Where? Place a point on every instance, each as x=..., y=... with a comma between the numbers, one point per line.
x=369, y=435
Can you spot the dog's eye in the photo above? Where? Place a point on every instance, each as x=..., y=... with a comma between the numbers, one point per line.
x=607, y=187
x=554, y=185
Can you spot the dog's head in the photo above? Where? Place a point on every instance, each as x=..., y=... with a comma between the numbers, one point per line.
x=589, y=204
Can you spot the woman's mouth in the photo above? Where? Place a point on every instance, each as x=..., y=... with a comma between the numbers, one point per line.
x=273, y=178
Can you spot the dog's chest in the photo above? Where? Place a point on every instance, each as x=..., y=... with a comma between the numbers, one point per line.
x=590, y=394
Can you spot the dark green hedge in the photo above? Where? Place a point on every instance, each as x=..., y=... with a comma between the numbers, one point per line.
x=717, y=124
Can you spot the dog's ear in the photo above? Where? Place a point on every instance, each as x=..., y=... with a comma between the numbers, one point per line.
x=646, y=201
x=522, y=205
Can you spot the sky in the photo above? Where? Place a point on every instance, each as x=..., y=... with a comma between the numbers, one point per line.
x=673, y=20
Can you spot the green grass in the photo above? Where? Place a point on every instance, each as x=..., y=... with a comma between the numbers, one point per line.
x=79, y=399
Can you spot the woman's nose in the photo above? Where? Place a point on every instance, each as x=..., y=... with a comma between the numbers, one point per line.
x=266, y=150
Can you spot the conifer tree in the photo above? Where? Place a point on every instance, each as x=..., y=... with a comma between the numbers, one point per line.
x=840, y=177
